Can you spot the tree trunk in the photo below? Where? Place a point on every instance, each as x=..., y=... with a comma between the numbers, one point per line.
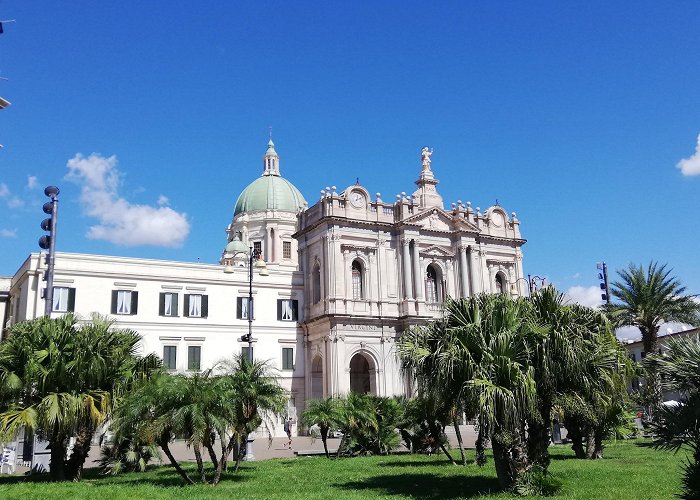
x=342, y=443
x=81, y=448
x=200, y=463
x=459, y=441
x=225, y=451
x=510, y=460
x=209, y=445
x=538, y=437
x=57, y=466
x=481, y=439
x=590, y=444
x=598, y=444
x=324, y=440
x=435, y=432
x=166, y=449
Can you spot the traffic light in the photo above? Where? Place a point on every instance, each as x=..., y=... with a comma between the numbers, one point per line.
x=603, y=278
x=48, y=242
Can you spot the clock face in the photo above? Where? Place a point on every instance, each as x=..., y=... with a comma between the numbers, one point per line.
x=357, y=199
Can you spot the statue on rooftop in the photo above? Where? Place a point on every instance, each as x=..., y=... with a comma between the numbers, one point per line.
x=425, y=157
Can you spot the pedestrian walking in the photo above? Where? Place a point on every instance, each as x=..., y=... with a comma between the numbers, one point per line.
x=288, y=431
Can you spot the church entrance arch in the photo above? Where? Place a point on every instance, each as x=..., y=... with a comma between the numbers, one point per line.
x=363, y=374
x=317, y=378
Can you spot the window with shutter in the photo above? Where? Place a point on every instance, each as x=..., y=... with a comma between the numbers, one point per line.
x=168, y=304
x=287, y=310
x=194, y=357
x=63, y=299
x=287, y=358
x=170, y=357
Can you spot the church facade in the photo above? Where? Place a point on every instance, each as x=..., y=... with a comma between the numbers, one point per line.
x=345, y=277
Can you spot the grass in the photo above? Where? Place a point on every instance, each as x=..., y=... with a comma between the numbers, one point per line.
x=630, y=470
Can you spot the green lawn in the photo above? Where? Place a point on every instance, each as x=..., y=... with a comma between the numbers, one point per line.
x=631, y=470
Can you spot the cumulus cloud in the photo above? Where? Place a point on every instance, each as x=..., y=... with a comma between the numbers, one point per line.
x=691, y=165
x=120, y=221
x=585, y=295
x=12, y=201
x=32, y=182
x=163, y=200
x=8, y=233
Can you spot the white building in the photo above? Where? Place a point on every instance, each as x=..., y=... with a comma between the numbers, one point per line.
x=346, y=277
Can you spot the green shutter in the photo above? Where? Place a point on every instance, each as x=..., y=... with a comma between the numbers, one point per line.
x=71, y=300
x=134, y=302
x=205, y=306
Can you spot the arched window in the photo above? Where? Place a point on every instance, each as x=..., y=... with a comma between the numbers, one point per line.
x=357, y=288
x=317, y=283
x=431, y=285
x=500, y=283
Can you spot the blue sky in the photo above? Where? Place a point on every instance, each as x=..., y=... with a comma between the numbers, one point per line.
x=574, y=115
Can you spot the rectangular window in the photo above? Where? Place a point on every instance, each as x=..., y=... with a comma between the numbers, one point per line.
x=170, y=357
x=63, y=299
x=196, y=306
x=194, y=357
x=286, y=249
x=168, y=304
x=245, y=352
x=124, y=301
x=287, y=358
x=287, y=310
x=243, y=308
x=257, y=247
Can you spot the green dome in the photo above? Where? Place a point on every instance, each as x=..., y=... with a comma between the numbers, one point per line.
x=236, y=246
x=269, y=192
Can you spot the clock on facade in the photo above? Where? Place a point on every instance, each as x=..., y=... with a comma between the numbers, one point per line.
x=357, y=199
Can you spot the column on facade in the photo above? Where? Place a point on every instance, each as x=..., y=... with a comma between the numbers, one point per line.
x=417, y=274
x=463, y=270
x=408, y=292
x=475, y=272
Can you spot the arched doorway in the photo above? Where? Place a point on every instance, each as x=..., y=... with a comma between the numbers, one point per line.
x=317, y=378
x=362, y=374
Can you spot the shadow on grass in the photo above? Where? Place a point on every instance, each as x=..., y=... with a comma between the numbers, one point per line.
x=423, y=463
x=156, y=475
x=426, y=486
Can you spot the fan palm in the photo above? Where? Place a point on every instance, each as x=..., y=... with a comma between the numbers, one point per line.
x=327, y=414
x=676, y=427
x=480, y=344
x=60, y=379
x=648, y=298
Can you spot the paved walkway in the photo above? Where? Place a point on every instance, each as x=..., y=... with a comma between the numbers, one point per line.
x=264, y=449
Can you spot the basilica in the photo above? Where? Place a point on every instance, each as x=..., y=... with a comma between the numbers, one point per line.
x=338, y=281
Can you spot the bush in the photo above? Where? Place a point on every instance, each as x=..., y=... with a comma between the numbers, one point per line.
x=537, y=481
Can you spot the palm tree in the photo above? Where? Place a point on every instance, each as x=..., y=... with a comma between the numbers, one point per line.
x=327, y=414
x=255, y=398
x=228, y=402
x=481, y=345
x=648, y=298
x=573, y=350
x=676, y=427
x=60, y=379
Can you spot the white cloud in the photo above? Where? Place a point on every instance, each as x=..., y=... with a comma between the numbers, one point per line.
x=163, y=200
x=15, y=202
x=120, y=221
x=585, y=295
x=32, y=182
x=8, y=233
x=576, y=276
x=691, y=165
x=12, y=201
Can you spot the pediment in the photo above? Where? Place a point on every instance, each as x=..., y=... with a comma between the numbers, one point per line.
x=436, y=251
x=436, y=219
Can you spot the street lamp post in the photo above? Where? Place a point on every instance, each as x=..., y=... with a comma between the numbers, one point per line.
x=254, y=260
x=532, y=282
